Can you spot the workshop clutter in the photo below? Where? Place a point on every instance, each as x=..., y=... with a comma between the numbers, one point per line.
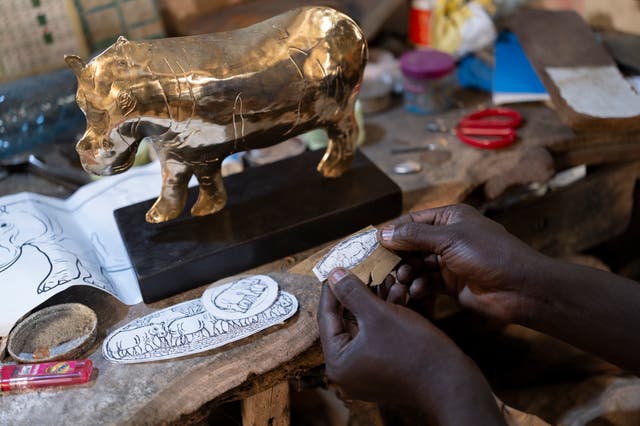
x=420, y=138
x=457, y=27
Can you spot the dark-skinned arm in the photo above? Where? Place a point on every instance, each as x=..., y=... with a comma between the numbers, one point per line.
x=594, y=310
x=493, y=273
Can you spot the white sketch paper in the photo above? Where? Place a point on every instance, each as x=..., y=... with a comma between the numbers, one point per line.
x=242, y=298
x=48, y=244
x=188, y=328
x=347, y=254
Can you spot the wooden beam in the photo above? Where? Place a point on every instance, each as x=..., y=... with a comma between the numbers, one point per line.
x=576, y=217
x=267, y=408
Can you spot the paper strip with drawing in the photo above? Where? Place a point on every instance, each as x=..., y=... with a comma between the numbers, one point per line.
x=360, y=252
x=188, y=328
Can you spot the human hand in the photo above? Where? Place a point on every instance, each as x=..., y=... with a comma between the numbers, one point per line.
x=396, y=356
x=475, y=260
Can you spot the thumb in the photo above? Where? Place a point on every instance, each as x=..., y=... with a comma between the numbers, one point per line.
x=415, y=237
x=352, y=293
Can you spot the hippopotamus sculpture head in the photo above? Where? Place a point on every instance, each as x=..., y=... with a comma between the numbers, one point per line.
x=105, y=95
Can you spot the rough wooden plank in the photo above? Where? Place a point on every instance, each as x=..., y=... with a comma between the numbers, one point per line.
x=267, y=408
x=624, y=48
x=362, y=413
x=555, y=40
x=525, y=166
x=589, y=154
x=577, y=217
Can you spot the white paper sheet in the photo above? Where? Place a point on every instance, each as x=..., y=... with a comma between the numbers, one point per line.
x=188, y=328
x=48, y=244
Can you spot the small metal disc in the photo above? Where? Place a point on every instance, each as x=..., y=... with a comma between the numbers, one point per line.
x=407, y=167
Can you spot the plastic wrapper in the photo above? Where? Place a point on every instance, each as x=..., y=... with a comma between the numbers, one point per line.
x=459, y=27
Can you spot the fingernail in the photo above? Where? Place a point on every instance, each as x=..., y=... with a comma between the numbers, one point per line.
x=386, y=233
x=336, y=275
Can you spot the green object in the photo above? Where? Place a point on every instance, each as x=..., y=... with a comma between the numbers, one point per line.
x=42, y=20
x=142, y=156
x=318, y=139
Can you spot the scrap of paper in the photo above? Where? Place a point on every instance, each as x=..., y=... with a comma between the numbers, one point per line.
x=360, y=252
x=189, y=328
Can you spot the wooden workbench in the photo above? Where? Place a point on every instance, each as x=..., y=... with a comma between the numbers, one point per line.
x=183, y=390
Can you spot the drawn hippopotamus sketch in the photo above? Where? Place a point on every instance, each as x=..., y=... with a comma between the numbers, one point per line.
x=347, y=254
x=241, y=296
x=199, y=99
x=36, y=234
x=139, y=340
x=187, y=328
x=184, y=330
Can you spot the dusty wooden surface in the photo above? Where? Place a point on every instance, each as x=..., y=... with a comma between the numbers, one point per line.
x=576, y=217
x=451, y=170
x=175, y=391
x=168, y=392
x=269, y=407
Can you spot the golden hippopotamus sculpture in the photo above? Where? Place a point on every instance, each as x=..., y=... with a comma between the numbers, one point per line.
x=201, y=98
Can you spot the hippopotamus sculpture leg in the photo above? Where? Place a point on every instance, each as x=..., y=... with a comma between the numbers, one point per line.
x=343, y=136
x=175, y=178
x=212, y=196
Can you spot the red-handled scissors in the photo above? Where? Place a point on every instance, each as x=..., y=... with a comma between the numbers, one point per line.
x=496, y=126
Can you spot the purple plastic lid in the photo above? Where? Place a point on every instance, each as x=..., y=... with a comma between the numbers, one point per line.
x=426, y=64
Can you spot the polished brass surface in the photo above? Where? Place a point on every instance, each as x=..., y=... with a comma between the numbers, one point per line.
x=201, y=98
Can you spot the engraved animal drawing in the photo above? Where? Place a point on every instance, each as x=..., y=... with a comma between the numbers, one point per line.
x=163, y=335
x=39, y=236
x=139, y=340
x=348, y=253
x=241, y=296
x=201, y=98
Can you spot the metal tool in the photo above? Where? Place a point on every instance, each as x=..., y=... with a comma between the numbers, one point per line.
x=407, y=167
x=494, y=126
x=410, y=149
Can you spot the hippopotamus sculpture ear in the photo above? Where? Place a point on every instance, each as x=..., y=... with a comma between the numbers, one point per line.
x=75, y=63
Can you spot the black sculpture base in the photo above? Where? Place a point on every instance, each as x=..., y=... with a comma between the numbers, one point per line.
x=272, y=211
